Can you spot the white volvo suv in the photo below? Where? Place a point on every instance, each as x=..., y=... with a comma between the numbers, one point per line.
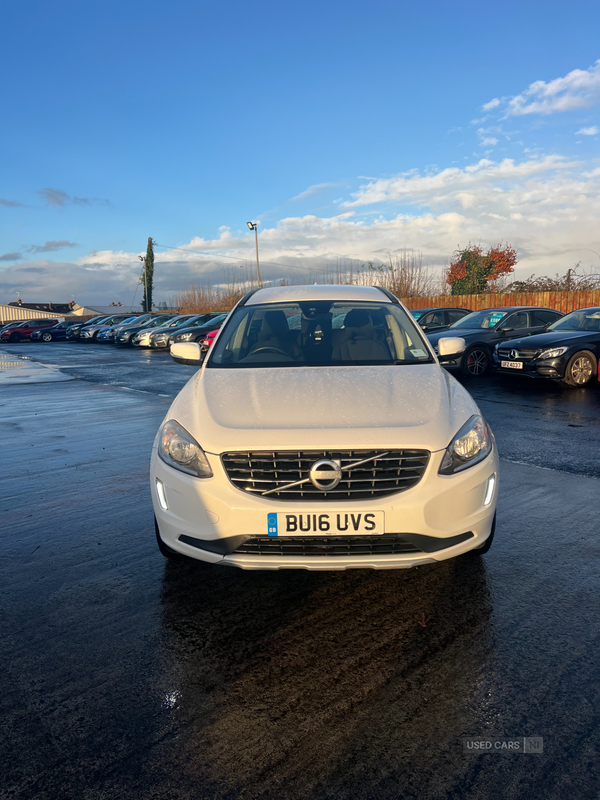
x=321, y=432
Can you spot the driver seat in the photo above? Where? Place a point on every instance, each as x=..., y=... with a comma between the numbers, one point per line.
x=275, y=332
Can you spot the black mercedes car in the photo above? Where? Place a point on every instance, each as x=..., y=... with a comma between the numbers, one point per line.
x=437, y=319
x=568, y=350
x=483, y=330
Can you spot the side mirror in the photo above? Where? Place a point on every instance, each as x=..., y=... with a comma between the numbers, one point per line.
x=187, y=353
x=505, y=330
x=450, y=346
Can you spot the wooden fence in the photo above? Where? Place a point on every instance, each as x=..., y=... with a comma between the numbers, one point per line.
x=561, y=301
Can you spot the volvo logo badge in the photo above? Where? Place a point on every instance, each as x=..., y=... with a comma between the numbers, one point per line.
x=514, y=354
x=325, y=474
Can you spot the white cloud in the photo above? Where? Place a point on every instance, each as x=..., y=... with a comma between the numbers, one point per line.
x=580, y=88
x=314, y=189
x=593, y=131
x=491, y=105
x=546, y=207
x=441, y=188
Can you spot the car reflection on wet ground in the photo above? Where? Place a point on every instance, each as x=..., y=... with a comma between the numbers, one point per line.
x=124, y=676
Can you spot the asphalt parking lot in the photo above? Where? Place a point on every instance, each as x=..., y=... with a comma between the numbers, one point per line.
x=124, y=676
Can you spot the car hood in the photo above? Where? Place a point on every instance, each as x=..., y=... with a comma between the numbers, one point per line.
x=166, y=329
x=197, y=329
x=419, y=406
x=549, y=339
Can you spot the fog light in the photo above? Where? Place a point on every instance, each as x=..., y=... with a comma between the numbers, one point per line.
x=489, y=492
x=162, y=497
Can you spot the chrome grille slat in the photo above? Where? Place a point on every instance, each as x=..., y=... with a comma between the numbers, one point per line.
x=523, y=355
x=260, y=472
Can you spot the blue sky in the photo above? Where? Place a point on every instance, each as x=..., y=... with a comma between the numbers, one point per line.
x=349, y=130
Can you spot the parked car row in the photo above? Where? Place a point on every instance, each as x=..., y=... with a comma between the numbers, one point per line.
x=18, y=330
x=155, y=330
x=527, y=341
x=516, y=340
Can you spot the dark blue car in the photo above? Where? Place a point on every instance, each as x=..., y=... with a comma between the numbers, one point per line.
x=53, y=334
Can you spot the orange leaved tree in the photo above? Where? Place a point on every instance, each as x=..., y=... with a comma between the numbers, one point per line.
x=471, y=271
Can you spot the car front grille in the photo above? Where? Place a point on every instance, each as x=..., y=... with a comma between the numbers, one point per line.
x=389, y=472
x=384, y=545
x=522, y=355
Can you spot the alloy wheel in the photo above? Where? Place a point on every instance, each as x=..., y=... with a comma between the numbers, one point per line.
x=47, y=337
x=477, y=362
x=582, y=370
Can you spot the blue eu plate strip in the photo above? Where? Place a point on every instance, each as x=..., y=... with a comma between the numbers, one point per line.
x=272, y=524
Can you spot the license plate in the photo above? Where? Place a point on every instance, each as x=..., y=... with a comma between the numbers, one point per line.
x=332, y=523
x=511, y=364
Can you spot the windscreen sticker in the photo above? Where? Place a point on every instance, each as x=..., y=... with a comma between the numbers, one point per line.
x=496, y=317
x=418, y=353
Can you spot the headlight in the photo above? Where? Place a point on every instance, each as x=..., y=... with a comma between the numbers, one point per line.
x=471, y=445
x=183, y=337
x=180, y=450
x=558, y=351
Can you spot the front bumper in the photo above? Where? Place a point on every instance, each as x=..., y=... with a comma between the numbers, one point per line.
x=549, y=368
x=209, y=519
x=159, y=342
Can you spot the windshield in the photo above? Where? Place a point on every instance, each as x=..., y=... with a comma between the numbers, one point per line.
x=136, y=320
x=480, y=319
x=588, y=319
x=319, y=333
x=174, y=323
x=154, y=323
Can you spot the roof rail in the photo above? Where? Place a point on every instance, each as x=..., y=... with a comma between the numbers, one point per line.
x=388, y=294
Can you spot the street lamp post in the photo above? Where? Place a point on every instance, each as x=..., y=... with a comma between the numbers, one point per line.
x=254, y=227
x=143, y=260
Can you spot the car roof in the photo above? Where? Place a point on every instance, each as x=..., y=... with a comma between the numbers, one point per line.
x=286, y=294
x=519, y=308
x=439, y=308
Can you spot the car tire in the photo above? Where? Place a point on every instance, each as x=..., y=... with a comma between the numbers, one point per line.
x=15, y=337
x=476, y=361
x=46, y=337
x=485, y=547
x=582, y=367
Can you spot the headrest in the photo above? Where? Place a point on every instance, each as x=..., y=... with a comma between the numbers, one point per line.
x=357, y=318
x=275, y=322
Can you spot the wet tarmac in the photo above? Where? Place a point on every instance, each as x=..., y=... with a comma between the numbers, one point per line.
x=126, y=677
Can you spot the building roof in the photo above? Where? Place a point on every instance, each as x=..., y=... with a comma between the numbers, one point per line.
x=53, y=308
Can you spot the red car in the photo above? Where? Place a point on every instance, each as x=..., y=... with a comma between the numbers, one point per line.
x=25, y=329
x=206, y=343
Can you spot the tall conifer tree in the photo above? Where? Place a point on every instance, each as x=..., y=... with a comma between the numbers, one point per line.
x=148, y=276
